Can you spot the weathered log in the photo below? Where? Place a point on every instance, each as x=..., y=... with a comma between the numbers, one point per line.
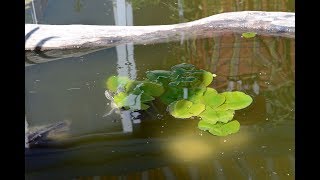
x=51, y=42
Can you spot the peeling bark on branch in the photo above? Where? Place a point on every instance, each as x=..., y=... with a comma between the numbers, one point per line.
x=50, y=42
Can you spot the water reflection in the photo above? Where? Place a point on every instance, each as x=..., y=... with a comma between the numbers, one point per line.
x=262, y=67
x=165, y=144
x=163, y=12
x=199, y=149
x=125, y=57
x=152, y=144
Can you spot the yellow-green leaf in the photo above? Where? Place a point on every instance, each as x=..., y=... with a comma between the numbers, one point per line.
x=212, y=116
x=249, y=34
x=235, y=100
x=221, y=129
x=185, y=109
x=115, y=82
x=212, y=98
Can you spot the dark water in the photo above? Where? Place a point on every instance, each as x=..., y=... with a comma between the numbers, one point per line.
x=152, y=144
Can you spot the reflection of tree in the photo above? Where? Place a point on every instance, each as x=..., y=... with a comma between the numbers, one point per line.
x=197, y=9
x=261, y=66
x=137, y=4
x=280, y=102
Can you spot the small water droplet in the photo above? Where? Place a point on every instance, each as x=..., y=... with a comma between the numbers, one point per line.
x=108, y=104
x=112, y=151
x=225, y=140
x=267, y=119
x=147, y=142
x=289, y=149
x=274, y=173
x=263, y=146
x=288, y=174
x=222, y=153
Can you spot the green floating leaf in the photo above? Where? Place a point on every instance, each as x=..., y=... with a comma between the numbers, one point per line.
x=146, y=97
x=204, y=125
x=171, y=95
x=180, y=109
x=195, y=94
x=115, y=82
x=120, y=99
x=235, y=100
x=185, y=109
x=212, y=98
x=131, y=86
x=132, y=101
x=212, y=116
x=159, y=76
x=221, y=129
x=196, y=109
x=184, y=66
x=206, y=78
x=183, y=81
x=153, y=89
x=249, y=34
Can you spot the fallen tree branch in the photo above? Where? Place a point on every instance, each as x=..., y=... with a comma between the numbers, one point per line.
x=50, y=42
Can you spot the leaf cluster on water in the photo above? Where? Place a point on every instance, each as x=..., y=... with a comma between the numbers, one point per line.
x=184, y=90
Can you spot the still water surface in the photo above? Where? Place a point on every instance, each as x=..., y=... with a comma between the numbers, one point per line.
x=152, y=144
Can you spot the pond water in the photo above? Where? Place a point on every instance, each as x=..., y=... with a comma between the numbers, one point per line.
x=153, y=145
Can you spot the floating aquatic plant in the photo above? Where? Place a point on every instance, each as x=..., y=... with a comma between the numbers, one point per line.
x=249, y=35
x=184, y=90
